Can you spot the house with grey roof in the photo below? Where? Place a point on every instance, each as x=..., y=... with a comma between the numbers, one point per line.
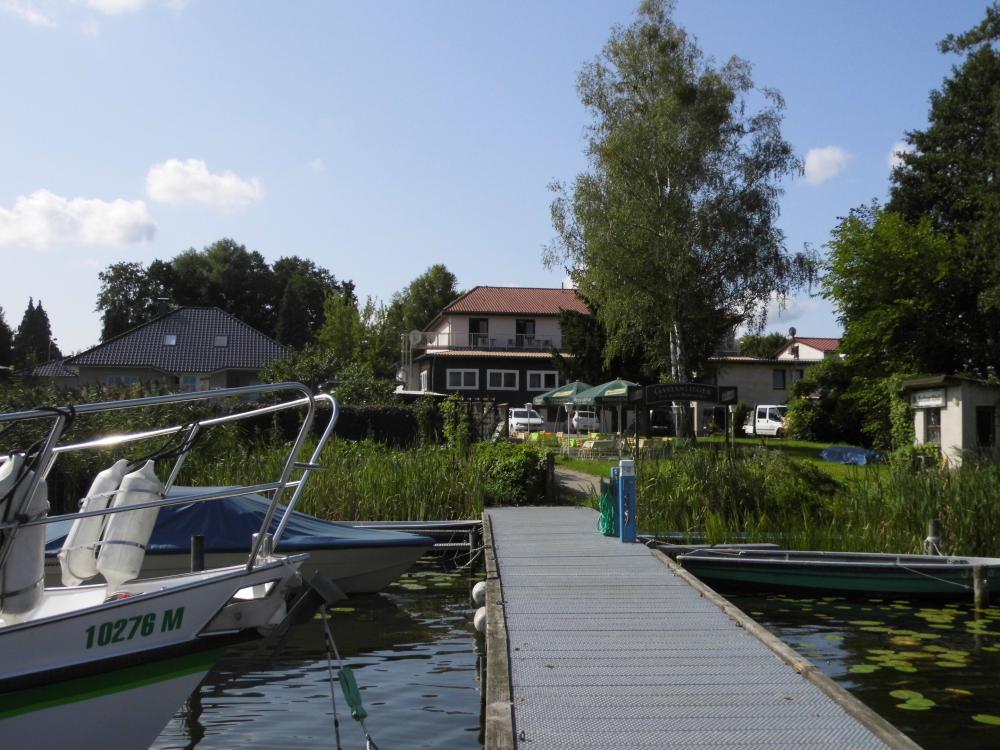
x=187, y=349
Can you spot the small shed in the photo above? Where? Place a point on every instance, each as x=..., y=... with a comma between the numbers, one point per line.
x=957, y=413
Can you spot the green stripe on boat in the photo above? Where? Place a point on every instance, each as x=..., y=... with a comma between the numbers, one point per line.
x=96, y=686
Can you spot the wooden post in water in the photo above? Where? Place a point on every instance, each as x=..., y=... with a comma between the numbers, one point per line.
x=932, y=543
x=981, y=586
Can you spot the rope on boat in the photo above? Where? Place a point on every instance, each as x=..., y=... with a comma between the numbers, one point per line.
x=345, y=676
x=964, y=586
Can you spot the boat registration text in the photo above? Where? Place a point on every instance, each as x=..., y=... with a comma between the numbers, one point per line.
x=127, y=628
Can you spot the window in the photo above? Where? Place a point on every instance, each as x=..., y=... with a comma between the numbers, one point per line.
x=932, y=426
x=778, y=380
x=222, y=341
x=425, y=380
x=462, y=380
x=120, y=381
x=170, y=339
x=542, y=380
x=189, y=383
x=479, y=332
x=501, y=380
x=798, y=375
x=986, y=426
x=524, y=328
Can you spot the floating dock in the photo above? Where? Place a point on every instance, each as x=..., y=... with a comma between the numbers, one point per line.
x=592, y=643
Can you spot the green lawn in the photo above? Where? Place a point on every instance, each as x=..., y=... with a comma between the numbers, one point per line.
x=797, y=449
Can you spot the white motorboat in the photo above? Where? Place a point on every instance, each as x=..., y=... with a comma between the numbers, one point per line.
x=106, y=664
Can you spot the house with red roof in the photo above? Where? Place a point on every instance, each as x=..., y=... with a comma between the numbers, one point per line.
x=492, y=342
x=766, y=380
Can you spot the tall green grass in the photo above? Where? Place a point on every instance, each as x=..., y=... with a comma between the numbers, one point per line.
x=757, y=495
x=369, y=481
x=358, y=481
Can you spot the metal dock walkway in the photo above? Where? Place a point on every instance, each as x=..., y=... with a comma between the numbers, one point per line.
x=592, y=643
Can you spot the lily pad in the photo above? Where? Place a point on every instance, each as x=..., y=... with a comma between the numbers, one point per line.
x=864, y=668
x=993, y=721
x=950, y=664
x=905, y=695
x=958, y=691
x=913, y=707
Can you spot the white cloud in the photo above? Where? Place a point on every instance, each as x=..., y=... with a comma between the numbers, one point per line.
x=825, y=163
x=43, y=219
x=115, y=7
x=189, y=182
x=90, y=28
x=894, y=159
x=317, y=165
x=26, y=12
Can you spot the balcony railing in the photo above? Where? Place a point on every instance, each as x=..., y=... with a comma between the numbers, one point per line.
x=518, y=342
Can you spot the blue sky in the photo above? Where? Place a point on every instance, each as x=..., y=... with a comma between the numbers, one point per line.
x=378, y=138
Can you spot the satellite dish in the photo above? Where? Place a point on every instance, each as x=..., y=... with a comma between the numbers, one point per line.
x=416, y=337
x=791, y=332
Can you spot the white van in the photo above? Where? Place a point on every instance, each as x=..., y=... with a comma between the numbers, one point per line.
x=766, y=419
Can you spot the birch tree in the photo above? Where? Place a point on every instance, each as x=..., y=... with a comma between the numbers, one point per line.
x=671, y=232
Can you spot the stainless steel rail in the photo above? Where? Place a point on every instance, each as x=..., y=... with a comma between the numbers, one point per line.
x=61, y=417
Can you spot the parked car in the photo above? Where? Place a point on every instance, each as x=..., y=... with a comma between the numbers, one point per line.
x=585, y=421
x=766, y=419
x=524, y=420
x=661, y=422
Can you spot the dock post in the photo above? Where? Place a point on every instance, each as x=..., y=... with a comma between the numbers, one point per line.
x=981, y=586
x=932, y=543
x=197, y=553
x=626, y=499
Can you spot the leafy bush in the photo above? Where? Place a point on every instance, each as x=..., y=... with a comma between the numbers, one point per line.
x=513, y=474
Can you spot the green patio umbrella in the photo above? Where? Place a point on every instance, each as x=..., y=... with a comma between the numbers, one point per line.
x=613, y=392
x=561, y=396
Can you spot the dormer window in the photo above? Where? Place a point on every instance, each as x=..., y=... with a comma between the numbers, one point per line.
x=222, y=341
x=170, y=339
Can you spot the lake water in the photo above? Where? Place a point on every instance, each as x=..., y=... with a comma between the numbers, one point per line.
x=413, y=652
x=931, y=669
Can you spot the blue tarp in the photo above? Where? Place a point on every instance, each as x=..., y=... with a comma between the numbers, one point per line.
x=228, y=524
x=844, y=454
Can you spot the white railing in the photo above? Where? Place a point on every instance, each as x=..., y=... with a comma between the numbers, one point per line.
x=521, y=342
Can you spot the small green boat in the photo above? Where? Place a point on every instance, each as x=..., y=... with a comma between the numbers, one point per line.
x=840, y=572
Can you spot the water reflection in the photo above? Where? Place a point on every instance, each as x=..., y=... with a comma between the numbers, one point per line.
x=929, y=668
x=413, y=651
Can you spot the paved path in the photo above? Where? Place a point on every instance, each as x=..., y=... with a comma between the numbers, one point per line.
x=611, y=648
x=577, y=482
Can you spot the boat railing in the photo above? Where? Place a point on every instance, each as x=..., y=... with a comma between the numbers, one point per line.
x=62, y=417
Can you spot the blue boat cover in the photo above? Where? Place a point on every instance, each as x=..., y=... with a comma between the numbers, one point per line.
x=228, y=524
x=844, y=454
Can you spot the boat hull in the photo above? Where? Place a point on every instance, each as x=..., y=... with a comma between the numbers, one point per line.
x=908, y=577
x=122, y=708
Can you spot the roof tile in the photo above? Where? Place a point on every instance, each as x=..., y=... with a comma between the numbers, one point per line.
x=514, y=300
x=195, y=329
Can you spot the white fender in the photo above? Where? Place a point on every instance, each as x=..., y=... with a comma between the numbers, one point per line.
x=22, y=580
x=78, y=556
x=127, y=534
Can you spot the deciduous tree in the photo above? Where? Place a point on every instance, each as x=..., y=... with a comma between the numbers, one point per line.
x=672, y=233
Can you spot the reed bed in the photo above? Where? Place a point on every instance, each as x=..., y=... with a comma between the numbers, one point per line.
x=358, y=481
x=757, y=495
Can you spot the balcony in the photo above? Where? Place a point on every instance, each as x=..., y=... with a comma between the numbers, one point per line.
x=432, y=340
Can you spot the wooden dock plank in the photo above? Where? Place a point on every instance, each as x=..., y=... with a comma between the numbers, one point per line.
x=606, y=645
